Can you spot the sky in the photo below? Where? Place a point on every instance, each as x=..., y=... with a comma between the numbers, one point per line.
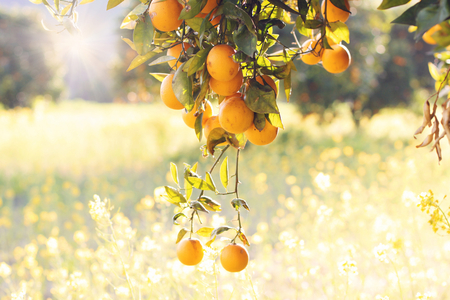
x=87, y=59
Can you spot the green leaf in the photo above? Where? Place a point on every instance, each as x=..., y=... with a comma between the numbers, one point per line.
x=265, y=24
x=234, y=12
x=210, y=181
x=410, y=15
x=216, y=136
x=300, y=26
x=197, y=61
x=210, y=204
x=129, y=43
x=206, y=28
x=208, y=243
x=220, y=230
x=259, y=121
x=244, y=239
x=198, y=127
x=427, y=18
x=391, y=3
x=188, y=189
x=176, y=217
x=238, y=141
x=198, y=206
x=174, y=196
x=340, y=32
x=195, y=23
x=434, y=72
x=174, y=172
x=313, y=24
x=140, y=59
x=341, y=4
x=203, y=91
x=65, y=10
x=113, y=3
x=280, y=4
x=200, y=184
x=224, y=172
x=192, y=8
x=182, y=88
x=275, y=120
x=245, y=41
x=238, y=202
x=161, y=60
x=56, y=5
x=181, y=234
x=143, y=35
x=205, y=231
x=133, y=15
x=159, y=76
x=261, y=98
x=302, y=7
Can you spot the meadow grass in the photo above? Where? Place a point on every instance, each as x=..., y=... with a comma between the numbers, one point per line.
x=333, y=208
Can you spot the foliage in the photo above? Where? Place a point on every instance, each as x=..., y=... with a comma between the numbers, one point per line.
x=430, y=19
x=26, y=66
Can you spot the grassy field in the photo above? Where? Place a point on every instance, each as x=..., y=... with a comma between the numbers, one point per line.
x=333, y=208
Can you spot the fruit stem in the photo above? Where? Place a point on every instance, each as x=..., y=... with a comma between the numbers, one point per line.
x=192, y=223
x=213, y=166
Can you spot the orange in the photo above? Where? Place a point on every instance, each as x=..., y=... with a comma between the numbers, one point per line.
x=189, y=119
x=210, y=5
x=313, y=52
x=175, y=51
x=190, y=252
x=220, y=63
x=227, y=88
x=268, y=81
x=235, y=116
x=212, y=123
x=263, y=137
x=335, y=14
x=167, y=94
x=427, y=36
x=336, y=60
x=234, y=258
x=164, y=14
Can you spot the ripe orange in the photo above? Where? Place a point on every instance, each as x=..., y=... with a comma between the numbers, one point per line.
x=189, y=119
x=313, y=52
x=164, y=14
x=263, y=137
x=220, y=63
x=167, y=94
x=190, y=252
x=427, y=36
x=336, y=60
x=176, y=51
x=335, y=14
x=227, y=88
x=235, y=116
x=234, y=258
x=268, y=81
x=212, y=123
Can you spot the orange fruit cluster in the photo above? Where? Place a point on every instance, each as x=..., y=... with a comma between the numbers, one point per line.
x=226, y=80
x=233, y=257
x=337, y=59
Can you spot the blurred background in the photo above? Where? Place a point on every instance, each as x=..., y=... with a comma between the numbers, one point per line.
x=341, y=179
